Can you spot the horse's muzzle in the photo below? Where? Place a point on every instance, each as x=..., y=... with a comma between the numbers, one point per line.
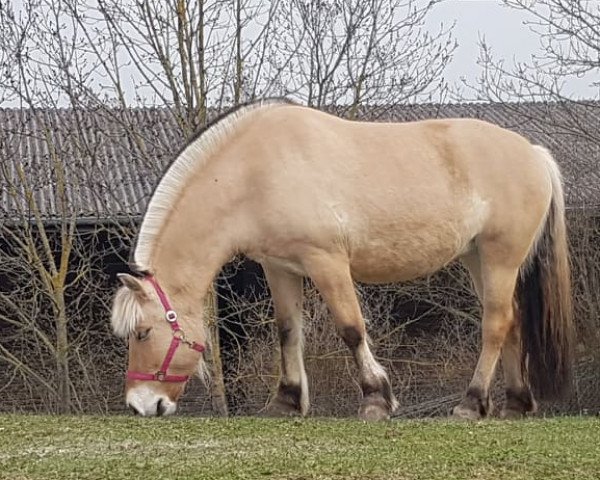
x=143, y=401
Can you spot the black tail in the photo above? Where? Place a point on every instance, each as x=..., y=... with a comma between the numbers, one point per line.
x=544, y=299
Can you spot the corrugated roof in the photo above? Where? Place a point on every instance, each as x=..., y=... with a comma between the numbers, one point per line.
x=112, y=159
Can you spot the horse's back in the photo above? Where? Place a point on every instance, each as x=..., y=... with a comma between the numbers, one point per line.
x=401, y=199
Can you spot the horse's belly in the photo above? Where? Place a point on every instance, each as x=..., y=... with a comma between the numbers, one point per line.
x=406, y=257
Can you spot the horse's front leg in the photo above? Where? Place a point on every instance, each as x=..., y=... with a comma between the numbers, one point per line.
x=333, y=280
x=292, y=391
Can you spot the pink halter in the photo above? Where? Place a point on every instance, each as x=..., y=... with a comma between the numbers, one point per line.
x=178, y=339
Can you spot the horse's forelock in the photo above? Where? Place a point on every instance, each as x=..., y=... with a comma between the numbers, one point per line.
x=126, y=312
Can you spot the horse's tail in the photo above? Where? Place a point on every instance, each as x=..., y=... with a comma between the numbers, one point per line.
x=544, y=299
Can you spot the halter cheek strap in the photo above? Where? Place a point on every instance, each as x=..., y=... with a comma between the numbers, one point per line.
x=178, y=338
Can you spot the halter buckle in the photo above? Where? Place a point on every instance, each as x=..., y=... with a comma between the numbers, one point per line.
x=160, y=376
x=171, y=316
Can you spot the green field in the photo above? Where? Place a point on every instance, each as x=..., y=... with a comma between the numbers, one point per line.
x=36, y=447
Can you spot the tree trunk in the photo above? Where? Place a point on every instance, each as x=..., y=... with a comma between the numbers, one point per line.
x=62, y=358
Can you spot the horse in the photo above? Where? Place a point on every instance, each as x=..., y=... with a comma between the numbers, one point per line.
x=308, y=194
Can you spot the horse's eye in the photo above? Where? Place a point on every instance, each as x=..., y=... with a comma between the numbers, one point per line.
x=143, y=335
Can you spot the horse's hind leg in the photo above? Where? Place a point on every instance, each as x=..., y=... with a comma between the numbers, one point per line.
x=496, y=288
x=519, y=398
x=332, y=278
x=292, y=392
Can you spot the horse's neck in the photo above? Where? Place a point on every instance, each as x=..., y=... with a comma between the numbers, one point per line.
x=193, y=249
x=203, y=229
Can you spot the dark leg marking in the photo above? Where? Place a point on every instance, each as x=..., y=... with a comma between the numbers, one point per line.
x=352, y=337
x=287, y=401
x=481, y=403
x=284, y=335
x=290, y=394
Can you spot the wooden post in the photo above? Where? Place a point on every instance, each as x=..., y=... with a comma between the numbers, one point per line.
x=217, y=384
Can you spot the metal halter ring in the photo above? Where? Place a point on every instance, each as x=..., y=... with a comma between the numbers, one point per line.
x=180, y=334
x=171, y=316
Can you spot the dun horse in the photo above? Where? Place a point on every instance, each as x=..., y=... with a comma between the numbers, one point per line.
x=307, y=194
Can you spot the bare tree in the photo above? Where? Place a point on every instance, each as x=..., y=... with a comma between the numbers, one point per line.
x=568, y=58
x=357, y=53
x=51, y=175
x=32, y=250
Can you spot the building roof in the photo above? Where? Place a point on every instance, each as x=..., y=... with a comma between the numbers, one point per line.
x=111, y=160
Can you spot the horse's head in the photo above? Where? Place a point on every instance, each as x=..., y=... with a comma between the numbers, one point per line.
x=164, y=346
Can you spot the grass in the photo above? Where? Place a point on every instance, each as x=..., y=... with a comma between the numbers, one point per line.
x=52, y=447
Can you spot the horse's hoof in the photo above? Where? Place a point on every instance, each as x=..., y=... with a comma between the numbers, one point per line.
x=511, y=414
x=374, y=408
x=281, y=409
x=461, y=412
x=474, y=406
x=373, y=413
x=519, y=404
x=516, y=413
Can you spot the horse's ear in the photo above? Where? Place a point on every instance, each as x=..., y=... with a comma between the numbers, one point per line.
x=132, y=283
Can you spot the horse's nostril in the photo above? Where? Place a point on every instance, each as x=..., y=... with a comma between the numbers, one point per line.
x=160, y=408
x=133, y=409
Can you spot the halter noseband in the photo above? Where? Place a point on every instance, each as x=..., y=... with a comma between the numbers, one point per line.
x=178, y=339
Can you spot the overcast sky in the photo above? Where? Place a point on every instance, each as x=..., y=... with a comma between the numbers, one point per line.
x=503, y=29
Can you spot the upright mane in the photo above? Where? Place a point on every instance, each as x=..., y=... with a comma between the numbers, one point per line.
x=192, y=157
